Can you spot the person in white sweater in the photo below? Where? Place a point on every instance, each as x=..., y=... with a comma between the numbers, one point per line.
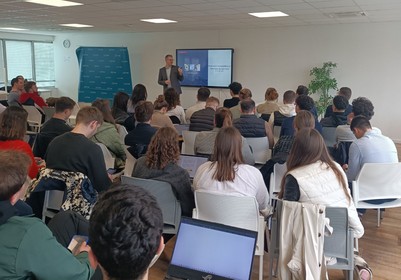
x=313, y=177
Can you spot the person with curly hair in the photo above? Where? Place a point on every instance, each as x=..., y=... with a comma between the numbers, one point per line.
x=160, y=163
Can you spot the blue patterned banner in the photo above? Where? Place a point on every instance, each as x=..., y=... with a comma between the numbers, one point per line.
x=103, y=72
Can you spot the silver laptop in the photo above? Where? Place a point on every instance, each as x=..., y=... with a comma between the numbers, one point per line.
x=211, y=251
x=191, y=163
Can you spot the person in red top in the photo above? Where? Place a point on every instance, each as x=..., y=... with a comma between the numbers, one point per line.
x=31, y=95
x=13, y=123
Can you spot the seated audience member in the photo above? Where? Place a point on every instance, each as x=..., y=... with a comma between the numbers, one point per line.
x=204, y=141
x=202, y=96
x=203, y=120
x=361, y=106
x=139, y=93
x=244, y=94
x=17, y=86
x=369, y=147
x=337, y=117
x=303, y=102
x=160, y=163
x=345, y=92
x=303, y=90
x=55, y=126
x=13, y=122
x=270, y=105
x=139, y=138
x=31, y=95
x=285, y=110
x=226, y=172
x=107, y=134
x=313, y=177
x=174, y=108
x=125, y=233
x=159, y=117
x=119, y=108
x=250, y=126
x=28, y=248
x=74, y=152
x=235, y=88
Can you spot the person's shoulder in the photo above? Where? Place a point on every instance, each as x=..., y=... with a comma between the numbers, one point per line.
x=26, y=223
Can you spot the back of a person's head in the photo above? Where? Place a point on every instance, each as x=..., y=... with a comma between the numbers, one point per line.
x=247, y=106
x=125, y=230
x=160, y=103
x=63, y=103
x=212, y=102
x=340, y=102
x=271, y=94
x=203, y=94
x=245, y=93
x=89, y=114
x=13, y=123
x=223, y=117
x=14, y=167
x=304, y=119
x=163, y=148
x=289, y=97
x=304, y=102
x=235, y=87
x=346, y=92
x=302, y=90
x=363, y=106
x=14, y=81
x=143, y=111
x=104, y=107
x=360, y=122
x=139, y=93
x=172, y=98
x=120, y=101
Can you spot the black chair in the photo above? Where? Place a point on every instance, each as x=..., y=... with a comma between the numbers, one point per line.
x=175, y=120
x=266, y=117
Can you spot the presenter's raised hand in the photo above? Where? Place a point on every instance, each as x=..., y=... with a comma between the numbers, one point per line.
x=180, y=71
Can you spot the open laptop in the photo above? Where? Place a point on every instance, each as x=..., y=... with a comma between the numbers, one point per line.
x=191, y=163
x=181, y=127
x=211, y=251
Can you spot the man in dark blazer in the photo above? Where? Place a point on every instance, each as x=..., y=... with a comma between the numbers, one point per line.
x=170, y=75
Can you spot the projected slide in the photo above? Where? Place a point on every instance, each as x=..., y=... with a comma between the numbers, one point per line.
x=206, y=67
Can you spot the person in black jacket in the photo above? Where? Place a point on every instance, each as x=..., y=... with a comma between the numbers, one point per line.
x=203, y=120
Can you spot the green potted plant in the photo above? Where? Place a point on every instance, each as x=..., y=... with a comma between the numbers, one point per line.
x=321, y=84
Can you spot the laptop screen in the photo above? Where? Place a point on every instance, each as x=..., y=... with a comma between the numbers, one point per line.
x=205, y=250
x=191, y=163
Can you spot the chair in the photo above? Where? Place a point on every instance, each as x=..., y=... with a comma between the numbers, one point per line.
x=73, y=117
x=52, y=203
x=329, y=136
x=165, y=197
x=265, y=117
x=236, y=211
x=340, y=243
x=274, y=240
x=122, y=131
x=3, y=95
x=276, y=132
x=49, y=112
x=189, y=142
x=175, y=120
x=378, y=181
x=108, y=158
x=34, y=118
x=129, y=162
x=275, y=180
x=260, y=149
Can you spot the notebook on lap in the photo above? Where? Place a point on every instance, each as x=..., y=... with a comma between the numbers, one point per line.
x=211, y=251
x=191, y=163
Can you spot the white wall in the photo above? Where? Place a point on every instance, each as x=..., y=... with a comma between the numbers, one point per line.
x=368, y=57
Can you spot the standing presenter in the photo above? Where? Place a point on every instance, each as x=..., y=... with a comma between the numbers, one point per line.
x=170, y=75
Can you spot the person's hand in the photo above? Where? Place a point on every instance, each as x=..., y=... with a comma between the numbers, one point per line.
x=345, y=167
x=167, y=82
x=180, y=71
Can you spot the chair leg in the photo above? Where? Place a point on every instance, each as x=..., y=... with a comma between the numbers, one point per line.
x=378, y=217
x=261, y=266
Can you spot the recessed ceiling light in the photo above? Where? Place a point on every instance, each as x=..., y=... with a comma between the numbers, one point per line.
x=77, y=25
x=55, y=3
x=158, y=20
x=13, y=28
x=269, y=14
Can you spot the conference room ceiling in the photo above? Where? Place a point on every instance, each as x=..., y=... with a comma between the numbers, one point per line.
x=125, y=15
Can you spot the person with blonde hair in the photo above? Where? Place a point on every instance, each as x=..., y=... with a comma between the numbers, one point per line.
x=227, y=173
x=160, y=163
x=270, y=105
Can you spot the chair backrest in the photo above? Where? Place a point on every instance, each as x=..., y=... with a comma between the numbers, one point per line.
x=189, y=142
x=34, y=117
x=260, y=149
x=49, y=112
x=122, y=131
x=108, y=158
x=275, y=179
x=165, y=197
x=129, y=162
x=265, y=117
x=377, y=181
x=175, y=119
x=3, y=95
x=329, y=136
x=276, y=132
x=52, y=203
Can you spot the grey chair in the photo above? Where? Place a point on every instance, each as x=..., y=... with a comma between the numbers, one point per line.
x=165, y=197
x=329, y=136
x=52, y=203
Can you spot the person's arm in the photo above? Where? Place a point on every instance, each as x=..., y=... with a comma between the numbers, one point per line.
x=184, y=192
x=291, y=189
x=97, y=171
x=39, y=253
x=160, y=79
x=262, y=196
x=269, y=135
x=39, y=101
x=181, y=116
x=33, y=168
x=180, y=76
x=354, y=162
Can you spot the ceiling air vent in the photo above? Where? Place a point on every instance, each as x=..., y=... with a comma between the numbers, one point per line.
x=347, y=14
